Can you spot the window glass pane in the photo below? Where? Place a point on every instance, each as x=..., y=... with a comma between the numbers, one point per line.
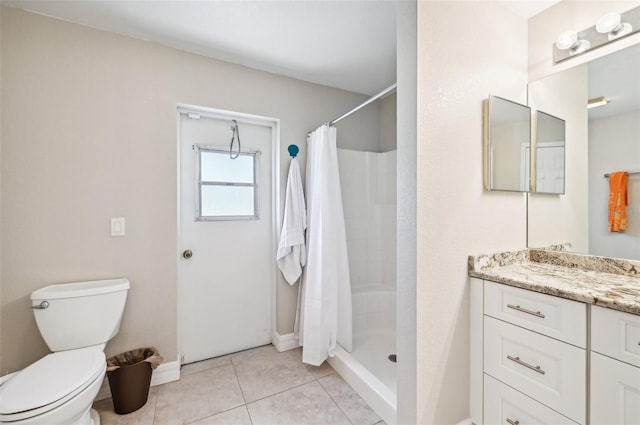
x=219, y=167
x=223, y=201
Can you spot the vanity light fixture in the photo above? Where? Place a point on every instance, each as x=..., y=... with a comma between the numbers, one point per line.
x=597, y=101
x=568, y=40
x=609, y=28
x=612, y=25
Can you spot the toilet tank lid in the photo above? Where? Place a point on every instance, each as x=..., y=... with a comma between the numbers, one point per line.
x=80, y=289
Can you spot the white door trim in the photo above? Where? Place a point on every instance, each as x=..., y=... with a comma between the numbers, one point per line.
x=274, y=124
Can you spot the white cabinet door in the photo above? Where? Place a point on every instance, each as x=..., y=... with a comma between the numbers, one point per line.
x=615, y=392
x=616, y=334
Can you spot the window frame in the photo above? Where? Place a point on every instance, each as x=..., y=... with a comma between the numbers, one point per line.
x=255, y=154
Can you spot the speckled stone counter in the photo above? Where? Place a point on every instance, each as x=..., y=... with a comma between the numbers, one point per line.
x=603, y=281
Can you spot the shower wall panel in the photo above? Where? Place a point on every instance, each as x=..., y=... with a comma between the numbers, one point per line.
x=368, y=183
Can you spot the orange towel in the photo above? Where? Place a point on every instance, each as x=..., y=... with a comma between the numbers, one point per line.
x=618, y=201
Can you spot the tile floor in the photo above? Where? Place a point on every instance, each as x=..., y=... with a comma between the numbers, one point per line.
x=253, y=387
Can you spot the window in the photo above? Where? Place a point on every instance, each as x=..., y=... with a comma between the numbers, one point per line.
x=227, y=188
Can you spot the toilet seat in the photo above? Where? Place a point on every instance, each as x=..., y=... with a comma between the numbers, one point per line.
x=50, y=382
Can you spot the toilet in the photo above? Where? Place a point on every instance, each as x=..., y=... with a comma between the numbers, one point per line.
x=76, y=321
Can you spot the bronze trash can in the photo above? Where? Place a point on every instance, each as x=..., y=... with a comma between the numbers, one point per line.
x=129, y=377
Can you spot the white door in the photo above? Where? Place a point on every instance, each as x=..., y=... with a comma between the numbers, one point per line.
x=550, y=167
x=226, y=283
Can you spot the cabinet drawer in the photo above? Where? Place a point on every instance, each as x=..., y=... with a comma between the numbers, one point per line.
x=549, y=371
x=616, y=334
x=615, y=392
x=558, y=318
x=505, y=406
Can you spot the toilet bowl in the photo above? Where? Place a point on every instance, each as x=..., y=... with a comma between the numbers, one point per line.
x=57, y=389
x=76, y=320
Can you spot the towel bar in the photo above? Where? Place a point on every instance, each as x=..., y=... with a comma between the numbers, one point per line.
x=628, y=173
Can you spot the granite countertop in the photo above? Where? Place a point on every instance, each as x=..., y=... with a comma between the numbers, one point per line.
x=603, y=281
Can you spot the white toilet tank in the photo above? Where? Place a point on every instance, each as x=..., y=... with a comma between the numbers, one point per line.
x=81, y=314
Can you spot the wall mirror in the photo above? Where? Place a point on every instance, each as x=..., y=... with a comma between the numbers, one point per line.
x=507, y=143
x=548, y=154
x=599, y=141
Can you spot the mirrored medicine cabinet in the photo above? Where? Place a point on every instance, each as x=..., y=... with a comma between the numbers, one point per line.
x=507, y=143
x=519, y=156
x=548, y=154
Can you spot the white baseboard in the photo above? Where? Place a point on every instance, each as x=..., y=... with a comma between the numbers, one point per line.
x=284, y=342
x=166, y=372
x=467, y=421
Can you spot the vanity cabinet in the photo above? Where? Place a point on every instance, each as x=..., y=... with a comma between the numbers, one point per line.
x=536, y=360
x=534, y=344
x=615, y=367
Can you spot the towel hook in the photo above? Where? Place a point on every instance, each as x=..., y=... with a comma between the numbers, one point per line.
x=293, y=150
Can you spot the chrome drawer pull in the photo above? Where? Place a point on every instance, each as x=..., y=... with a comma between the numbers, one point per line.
x=520, y=362
x=512, y=422
x=524, y=310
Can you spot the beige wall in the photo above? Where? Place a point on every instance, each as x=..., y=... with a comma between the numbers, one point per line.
x=89, y=133
x=457, y=70
x=388, y=123
x=359, y=131
x=614, y=144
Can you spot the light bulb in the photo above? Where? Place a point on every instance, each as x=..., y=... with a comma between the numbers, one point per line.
x=569, y=40
x=566, y=40
x=610, y=23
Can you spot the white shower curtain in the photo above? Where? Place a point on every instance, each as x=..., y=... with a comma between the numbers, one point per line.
x=324, y=314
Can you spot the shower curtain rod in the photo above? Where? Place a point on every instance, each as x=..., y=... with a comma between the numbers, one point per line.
x=383, y=93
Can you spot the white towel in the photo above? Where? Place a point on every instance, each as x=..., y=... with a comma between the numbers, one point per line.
x=292, y=255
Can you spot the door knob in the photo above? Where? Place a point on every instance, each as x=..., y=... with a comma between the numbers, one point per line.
x=187, y=254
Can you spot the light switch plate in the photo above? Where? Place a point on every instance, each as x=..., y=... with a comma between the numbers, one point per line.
x=117, y=226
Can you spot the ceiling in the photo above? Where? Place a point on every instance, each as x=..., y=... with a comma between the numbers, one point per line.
x=350, y=45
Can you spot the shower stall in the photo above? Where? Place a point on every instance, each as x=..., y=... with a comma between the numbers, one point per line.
x=368, y=186
x=367, y=180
